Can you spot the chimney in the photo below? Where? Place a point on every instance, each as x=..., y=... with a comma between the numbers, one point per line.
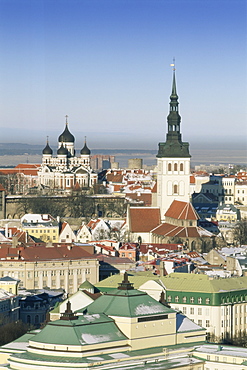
x=14, y=242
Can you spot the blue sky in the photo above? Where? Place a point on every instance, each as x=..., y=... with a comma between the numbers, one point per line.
x=106, y=64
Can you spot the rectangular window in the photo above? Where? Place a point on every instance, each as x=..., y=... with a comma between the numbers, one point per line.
x=152, y=318
x=200, y=322
x=192, y=310
x=192, y=299
x=207, y=323
x=184, y=310
x=199, y=311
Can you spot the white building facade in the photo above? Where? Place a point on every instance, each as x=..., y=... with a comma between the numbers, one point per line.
x=173, y=160
x=65, y=170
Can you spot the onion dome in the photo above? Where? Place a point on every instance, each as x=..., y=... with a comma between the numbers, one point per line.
x=62, y=150
x=66, y=136
x=85, y=150
x=47, y=150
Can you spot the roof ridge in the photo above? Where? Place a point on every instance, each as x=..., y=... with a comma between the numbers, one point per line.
x=175, y=227
x=187, y=210
x=194, y=211
x=182, y=209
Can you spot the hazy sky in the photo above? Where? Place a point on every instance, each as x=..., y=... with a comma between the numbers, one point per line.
x=106, y=64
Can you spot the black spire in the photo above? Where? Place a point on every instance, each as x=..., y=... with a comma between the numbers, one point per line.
x=173, y=147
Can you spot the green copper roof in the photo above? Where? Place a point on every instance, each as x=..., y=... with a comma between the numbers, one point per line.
x=86, y=329
x=203, y=283
x=86, y=285
x=130, y=303
x=182, y=282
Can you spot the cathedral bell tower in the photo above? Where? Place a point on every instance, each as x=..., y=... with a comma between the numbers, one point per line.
x=173, y=160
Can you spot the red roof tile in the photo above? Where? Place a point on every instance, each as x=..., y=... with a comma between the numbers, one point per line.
x=2, y=188
x=192, y=179
x=182, y=211
x=170, y=230
x=146, y=198
x=154, y=190
x=143, y=219
x=114, y=178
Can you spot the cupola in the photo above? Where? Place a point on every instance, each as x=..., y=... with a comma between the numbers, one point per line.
x=62, y=150
x=47, y=150
x=85, y=150
x=66, y=136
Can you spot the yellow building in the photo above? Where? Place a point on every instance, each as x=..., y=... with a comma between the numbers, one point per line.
x=9, y=284
x=41, y=226
x=58, y=266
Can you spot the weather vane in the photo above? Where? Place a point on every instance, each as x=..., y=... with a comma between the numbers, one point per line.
x=173, y=64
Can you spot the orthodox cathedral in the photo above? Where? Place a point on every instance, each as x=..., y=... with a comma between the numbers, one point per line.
x=65, y=170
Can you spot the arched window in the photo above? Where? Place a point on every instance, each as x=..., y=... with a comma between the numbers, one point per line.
x=175, y=166
x=181, y=166
x=28, y=319
x=169, y=166
x=175, y=189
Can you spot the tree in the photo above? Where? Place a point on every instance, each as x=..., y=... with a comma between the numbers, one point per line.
x=12, y=331
x=240, y=232
x=81, y=205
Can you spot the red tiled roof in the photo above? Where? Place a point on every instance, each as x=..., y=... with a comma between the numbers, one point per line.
x=192, y=179
x=24, y=168
x=64, y=224
x=92, y=223
x=182, y=211
x=170, y=230
x=111, y=177
x=54, y=252
x=156, y=247
x=143, y=219
x=2, y=188
x=154, y=190
x=146, y=198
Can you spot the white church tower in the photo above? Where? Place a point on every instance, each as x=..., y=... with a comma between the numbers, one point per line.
x=173, y=160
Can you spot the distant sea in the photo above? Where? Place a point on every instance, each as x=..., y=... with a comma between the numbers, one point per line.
x=13, y=154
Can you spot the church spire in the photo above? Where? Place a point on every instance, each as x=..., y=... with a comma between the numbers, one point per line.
x=173, y=147
x=174, y=118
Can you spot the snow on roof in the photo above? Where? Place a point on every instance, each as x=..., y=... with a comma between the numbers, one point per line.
x=184, y=324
